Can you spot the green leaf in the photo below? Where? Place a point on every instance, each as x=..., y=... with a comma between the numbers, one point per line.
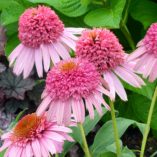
x=107, y=154
x=4, y=4
x=109, y=16
x=146, y=90
x=140, y=106
x=127, y=153
x=105, y=137
x=11, y=13
x=11, y=44
x=88, y=126
x=144, y=11
x=72, y=8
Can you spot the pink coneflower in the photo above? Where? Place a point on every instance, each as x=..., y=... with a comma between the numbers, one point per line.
x=146, y=54
x=35, y=136
x=102, y=48
x=43, y=38
x=70, y=86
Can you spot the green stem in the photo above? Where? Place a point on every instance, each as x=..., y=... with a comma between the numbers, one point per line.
x=124, y=28
x=127, y=35
x=56, y=155
x=147, y=128
x=116, y=136
x=85, y=145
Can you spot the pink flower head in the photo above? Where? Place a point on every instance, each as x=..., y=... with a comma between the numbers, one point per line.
x=146, y=54
x=67, y=85
x=102, y=48
x=43, y=38
x=35, y=136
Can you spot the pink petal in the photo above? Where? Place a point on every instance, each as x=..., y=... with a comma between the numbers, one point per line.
x=153, y=74
x=137, y=53
x=140, y=43
x=44, y=105
x=67, y=113
x=60, y=112
x=149, y=66
x=77, y=111
x=74, y=30
x=60, y=128
x=90, y=108
x=38, y=62
x=15, y=53
x=109, y=80
x=51, y=114
x=97, y=105
x=20, y=61
x=29, y=150
x=119, y=87
x=53, y=54
x=62, y=51
x=29, y=64
x=46, y=57
x=100, y=100
x=49, y=145
x=36, y=148
x=70, y=35
x=142, y=61
x=54, y=136
x=103, y=90
x=69, y=42
x=5, y=145
x=44, y=152
x=126, y=76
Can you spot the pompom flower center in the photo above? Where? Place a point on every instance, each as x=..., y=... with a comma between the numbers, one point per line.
x=102, y=48
x=68, y=66
x=74, y=78
x=26, y=126
x=150, y=40
x=39, y=26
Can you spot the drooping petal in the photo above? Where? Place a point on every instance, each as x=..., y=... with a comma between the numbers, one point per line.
x=137, y=53
x=15, y=53
x=38, y=62
x=119, y=87
x=62, y=51
x=46, y=57
x=43, y=106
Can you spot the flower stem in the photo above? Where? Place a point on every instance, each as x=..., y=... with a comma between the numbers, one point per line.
x=147, y=128
x=124, y=28
x=128, y=36
x=85, y=145
x=56, y=155
x=115, y=130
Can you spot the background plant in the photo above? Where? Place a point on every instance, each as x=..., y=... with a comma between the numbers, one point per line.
x=128, y=19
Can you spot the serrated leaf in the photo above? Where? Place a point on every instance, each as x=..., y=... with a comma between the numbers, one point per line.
x=11, y=13
x=144, y=11
x=13, y=105
x=105, y=137
x=72, y=8
x=109, y=16
x=35, y=93
x=15, y=86
x=2, y=67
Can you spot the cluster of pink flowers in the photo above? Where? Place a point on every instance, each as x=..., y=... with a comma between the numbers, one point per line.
x=73, y=84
